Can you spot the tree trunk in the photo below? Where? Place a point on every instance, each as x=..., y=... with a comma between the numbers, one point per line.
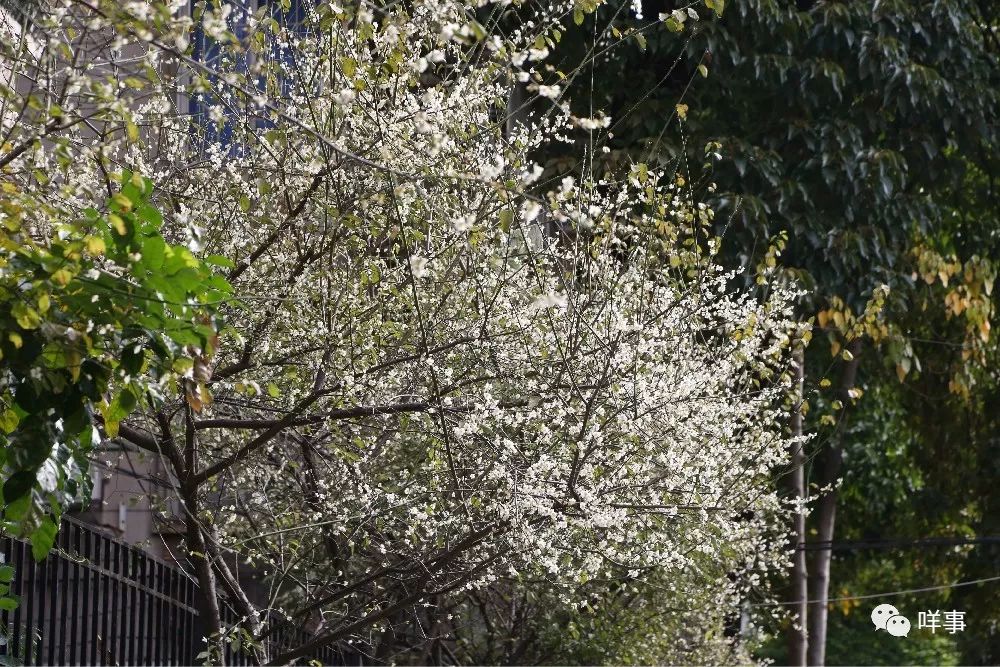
x=798, y=638
x=210, y=616
x=827, y=468
x=208, y=597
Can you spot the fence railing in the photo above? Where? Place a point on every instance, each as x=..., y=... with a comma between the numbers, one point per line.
x=98, y=601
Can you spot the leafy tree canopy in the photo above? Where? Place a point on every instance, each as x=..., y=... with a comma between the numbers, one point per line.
x=99, y=311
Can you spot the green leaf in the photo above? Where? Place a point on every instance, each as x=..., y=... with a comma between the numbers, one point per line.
x=6, y=574
x=8, y=603
x=219, y=260
x=43, y=538
x=26, y=317
x=150, y=215
x=478, y=31
x=506, y=219
x=718, y=6
x=154, y=250
x=8, y=421
x=122, y=202
x=348, y=66
x=18, y=485
x=121, y=406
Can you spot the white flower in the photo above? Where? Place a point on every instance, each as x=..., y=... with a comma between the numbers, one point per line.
x=592, y=123
x=530, y=210
x=463, y=223
x=548, y=300
x=345, y=96
x=216, y=114
x=492, y=170
x=418, y=266
x=550, y=92
x=421, y=123
x=533, y=174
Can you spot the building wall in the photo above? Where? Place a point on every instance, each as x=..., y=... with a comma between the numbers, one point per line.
x=133, y=500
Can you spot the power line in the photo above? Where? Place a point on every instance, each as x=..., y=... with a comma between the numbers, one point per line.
x=907, y=591
x=857, y=545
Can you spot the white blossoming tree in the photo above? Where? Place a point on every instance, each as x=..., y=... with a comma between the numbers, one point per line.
x=444, y=381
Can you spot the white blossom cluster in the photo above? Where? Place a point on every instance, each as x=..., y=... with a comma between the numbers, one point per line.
x=462, y=348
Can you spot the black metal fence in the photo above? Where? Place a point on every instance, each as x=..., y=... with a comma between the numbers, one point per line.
x=98, y=601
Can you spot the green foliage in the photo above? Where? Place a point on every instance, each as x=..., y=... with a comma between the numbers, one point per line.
x=852, y=641
x=93, y=315
x=846, y=125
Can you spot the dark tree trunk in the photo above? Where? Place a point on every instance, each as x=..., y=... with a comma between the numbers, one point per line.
x=208, y=598
x=827, y=468
x=798, y=638
x=210, y=616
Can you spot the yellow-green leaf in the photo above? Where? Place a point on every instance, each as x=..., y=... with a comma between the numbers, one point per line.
x=8, y=421
x=26, y=316
x=62, y=277
x=95, y=245
x=118, y=224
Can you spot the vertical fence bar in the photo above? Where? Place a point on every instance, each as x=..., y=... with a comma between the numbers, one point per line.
x=51, y=618
x=178, y=654
x=160, y=636
x=75, y=651
x=63, y=593
x=6, y=558
x=31, y=608
x=170, y=628
x=156, y=618
x=103, y=644
x=88, y=616
x=123, y=629
x=193, y=627
x=186, y=654
x=112, y=618
x=139, y=638
x=20, y=586
x=154, y=601
x=154, y=604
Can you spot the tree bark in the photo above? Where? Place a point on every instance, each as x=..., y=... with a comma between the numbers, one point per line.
x=207, y=595
x=828, y=465
x=798, y=637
